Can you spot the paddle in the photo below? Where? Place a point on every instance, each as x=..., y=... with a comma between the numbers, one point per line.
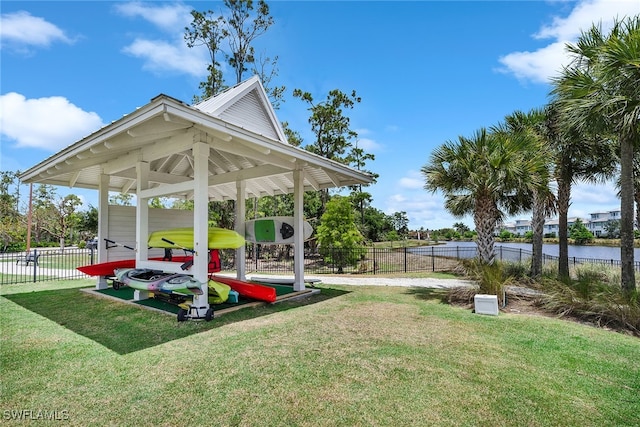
x=187, y=264
x=115, y=244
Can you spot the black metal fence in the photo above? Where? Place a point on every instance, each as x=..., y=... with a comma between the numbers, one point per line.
x=523, y=255
x=54, y=264
x=40, y=265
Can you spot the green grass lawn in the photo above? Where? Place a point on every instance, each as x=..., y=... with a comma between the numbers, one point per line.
x=351, y=356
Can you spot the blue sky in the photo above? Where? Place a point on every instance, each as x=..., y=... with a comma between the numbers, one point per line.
x=426, y=71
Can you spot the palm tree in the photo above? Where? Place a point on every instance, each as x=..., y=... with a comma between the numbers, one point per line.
x=531, y=125
x=490, y=175
x=599, y=94
x=577, y=157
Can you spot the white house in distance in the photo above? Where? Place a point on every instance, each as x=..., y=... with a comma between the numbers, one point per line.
x=596, y=224
x=598, y=221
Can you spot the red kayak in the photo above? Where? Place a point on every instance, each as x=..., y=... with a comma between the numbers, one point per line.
x=106, y=268
x=249, y=290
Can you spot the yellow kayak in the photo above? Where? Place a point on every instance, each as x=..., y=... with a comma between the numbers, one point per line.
x=177, y=238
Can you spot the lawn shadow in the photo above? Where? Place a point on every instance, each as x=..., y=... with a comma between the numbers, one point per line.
x=429, y=294
x=126, y=328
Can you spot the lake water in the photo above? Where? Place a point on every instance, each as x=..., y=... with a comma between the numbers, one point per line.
x=594, y=252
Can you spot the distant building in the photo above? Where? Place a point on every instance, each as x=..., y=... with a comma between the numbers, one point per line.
x=598, y=221
x=552, y=226
x=596, y=224
x=522, y=226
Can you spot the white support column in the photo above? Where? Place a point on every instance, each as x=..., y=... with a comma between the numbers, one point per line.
x=201, y=224
x=103, y=226
x=142, y=213
x=298, y=229
x=241, y=262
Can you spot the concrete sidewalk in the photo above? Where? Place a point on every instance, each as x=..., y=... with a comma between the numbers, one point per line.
x=378, y=281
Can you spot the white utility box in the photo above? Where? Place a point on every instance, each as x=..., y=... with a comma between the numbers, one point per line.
x=486, y=304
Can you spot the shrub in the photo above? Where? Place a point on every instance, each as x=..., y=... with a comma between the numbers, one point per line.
x=491, y=279
x=595, y=295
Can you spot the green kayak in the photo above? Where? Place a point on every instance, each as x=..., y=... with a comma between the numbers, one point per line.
x=219, y=238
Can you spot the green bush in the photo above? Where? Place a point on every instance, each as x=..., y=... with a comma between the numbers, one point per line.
x=490, y=278
x=594, y=295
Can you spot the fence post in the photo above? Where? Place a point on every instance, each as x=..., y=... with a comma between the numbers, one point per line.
x=35, y=265
x=405, y=259
x=333, y=260
x=91, y=259
x=520, y=256
x=375, y=263
x=433, y=259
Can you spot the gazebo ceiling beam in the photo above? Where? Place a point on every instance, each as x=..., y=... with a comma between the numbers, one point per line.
x=312, y=182
x=334, y=178
x=242, y=149
x=148, y=153
x=216, y=162
x=245, y=174
x=229, y=159
x=157, y=177
x=128, y=186
x=74, y=178
x=278, y=184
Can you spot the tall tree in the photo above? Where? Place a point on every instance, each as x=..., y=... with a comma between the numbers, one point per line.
x=578, y=157
x=400, y=223
x=66, y=218
x=329, y=123
x=267, y=69
x=490, y=175
x=599, y=94
x=232, y=33
x=207, y=30
x=89, y=223
x=531, y=125
x=357, y=158
x=11, y=230
x=244, y=25
x=44, y=212
x=121, y=199
x=330, y=126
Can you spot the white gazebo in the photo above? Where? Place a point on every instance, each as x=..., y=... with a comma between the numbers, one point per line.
x=229, y=147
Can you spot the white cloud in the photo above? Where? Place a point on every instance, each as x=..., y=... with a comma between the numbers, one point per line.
x=168, y=17
x=543, y=64
x=160, y=55
x=363, y=131
x=369, y=145
x=587, y=13
x=412, y=181
x=538, y=66
x=21, y=29
x=48, y=123
x=586, y=197
x=424, y=210
x=166, y=55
